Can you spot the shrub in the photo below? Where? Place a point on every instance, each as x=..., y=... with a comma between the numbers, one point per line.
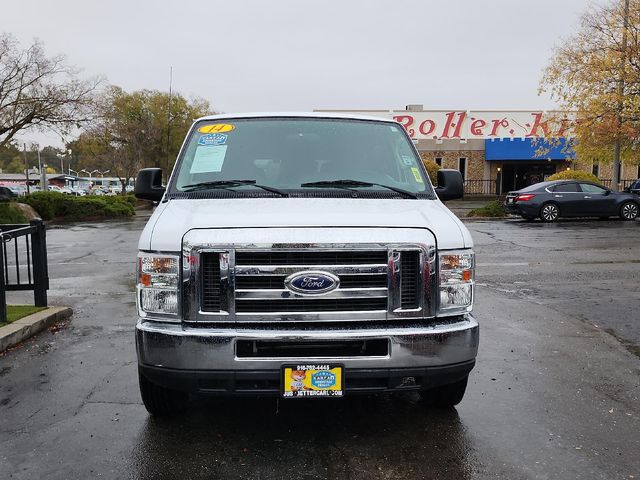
x=574, y=175
x=58, y=205
x=128, y=198
x=491, y=209
x=432, y=169
x=47, y=204
x=10, y=214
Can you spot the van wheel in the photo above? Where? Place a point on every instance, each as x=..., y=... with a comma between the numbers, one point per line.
x=161, y=401
x=629, y=211
x=549, y=212
x=445, y=396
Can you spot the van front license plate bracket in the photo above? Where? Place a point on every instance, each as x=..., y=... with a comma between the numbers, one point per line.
x=312, y=380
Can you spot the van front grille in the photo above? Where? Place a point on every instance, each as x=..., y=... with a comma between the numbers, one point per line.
x=374, y=284
x=210, y=282
x=409, y=280
x=311, y=258
x=310, y=306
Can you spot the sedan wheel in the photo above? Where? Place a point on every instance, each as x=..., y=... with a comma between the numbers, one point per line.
x=550, y=212
x=629, y=211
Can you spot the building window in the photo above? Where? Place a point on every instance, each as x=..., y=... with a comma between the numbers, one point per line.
x=462, y=166
x=595, y=169
x=638, y=171
x=439, y=161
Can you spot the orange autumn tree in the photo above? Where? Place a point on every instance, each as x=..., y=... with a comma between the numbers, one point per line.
x=596, y=74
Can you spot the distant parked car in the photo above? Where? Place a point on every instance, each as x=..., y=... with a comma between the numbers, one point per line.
x=19, y=190
x=7, y=194
x=634, y=187
x=566, y=198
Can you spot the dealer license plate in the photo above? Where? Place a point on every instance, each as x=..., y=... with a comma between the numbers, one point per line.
x=312, y=380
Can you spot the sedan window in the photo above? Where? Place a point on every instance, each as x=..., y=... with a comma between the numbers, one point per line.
x=589, y=188
x=566, y=187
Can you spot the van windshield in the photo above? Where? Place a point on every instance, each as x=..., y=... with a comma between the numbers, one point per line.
x=300, y=154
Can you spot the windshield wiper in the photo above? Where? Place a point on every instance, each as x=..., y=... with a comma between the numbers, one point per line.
x=350, y=184
x=229, y=184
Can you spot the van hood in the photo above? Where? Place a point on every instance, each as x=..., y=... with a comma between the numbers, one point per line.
x=172, y=219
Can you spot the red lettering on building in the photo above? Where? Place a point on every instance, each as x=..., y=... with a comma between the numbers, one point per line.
x=427, y=127
x=451, y=124
x=565, y=125
x=477, y=126
x=497, y=123
x=406, y=121
x=538, y=123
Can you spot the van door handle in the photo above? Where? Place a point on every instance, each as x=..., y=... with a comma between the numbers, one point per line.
x=558, y=196
x=587, y=196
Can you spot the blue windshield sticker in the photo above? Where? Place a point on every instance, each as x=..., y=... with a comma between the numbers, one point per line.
x=210, y=139
x=408, y=160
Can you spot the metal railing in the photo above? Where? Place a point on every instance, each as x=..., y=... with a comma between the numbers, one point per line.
x=623, y=183
x=480, y=187
x=23, y=262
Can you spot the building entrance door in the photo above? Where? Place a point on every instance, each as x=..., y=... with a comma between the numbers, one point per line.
x=517, y=175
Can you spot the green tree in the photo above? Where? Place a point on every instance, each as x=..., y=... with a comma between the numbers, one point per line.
x=596, y=74
x=135, y=130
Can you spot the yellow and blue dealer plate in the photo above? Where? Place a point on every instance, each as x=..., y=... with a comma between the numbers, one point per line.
x=312, y=380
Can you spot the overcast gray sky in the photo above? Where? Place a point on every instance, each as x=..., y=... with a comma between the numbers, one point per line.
x=296, y=55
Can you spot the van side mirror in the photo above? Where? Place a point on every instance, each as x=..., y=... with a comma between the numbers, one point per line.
x=607, y=192
x=149, y=185
x=450, y=185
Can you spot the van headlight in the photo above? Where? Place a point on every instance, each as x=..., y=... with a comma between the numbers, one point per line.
x=457, y=274
x=157, y=286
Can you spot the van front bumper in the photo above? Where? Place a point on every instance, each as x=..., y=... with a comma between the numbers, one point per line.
x=206, y=360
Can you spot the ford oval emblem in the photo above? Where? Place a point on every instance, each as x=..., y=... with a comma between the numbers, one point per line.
x=311, y=282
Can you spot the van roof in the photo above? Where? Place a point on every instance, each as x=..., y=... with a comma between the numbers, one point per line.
x=337, y=115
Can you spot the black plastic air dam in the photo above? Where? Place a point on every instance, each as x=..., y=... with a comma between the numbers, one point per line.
x=267, y=382
x=301, y=350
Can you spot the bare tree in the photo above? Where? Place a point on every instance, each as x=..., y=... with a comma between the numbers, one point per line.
x=37, y=91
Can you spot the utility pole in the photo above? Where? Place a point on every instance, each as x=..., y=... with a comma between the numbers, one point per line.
x=26, y=166
x=43, y=173
x=616, y=146
x=166, y=169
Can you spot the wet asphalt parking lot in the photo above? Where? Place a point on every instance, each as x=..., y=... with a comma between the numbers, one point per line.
x=555, y=393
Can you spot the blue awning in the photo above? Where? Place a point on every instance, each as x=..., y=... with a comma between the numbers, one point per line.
x=526, y=149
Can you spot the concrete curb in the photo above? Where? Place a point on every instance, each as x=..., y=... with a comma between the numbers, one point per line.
x=20, y=330
x=472, y=219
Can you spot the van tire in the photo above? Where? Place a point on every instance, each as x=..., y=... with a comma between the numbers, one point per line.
x=160, y=401
x=445, y=396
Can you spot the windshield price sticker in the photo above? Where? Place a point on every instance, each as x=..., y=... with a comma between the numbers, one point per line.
x=416, y=174
x=305, y=381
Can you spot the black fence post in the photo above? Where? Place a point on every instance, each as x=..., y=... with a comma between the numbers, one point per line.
x=3, y=292
x=40, y=269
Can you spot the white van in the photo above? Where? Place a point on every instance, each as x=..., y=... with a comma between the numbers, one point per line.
x=305, y=256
